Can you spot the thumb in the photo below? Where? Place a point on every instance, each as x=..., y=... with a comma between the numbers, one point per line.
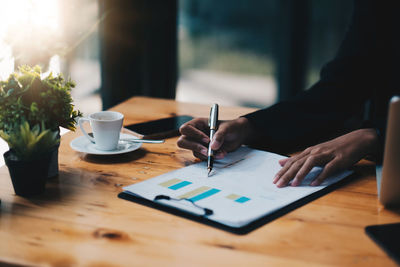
x=218, y=139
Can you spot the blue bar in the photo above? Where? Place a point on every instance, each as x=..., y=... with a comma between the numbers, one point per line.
x=179, y=185
x=242, y=199
x=204, y=195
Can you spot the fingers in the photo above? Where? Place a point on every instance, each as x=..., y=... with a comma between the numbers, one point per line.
x=193, y=137
x=287, y=164
x=217, y=142
x=219, y=137
x=310, y=163
x=196, y=147
x=221, y=154
x=228, y=137
x=195, y=130
x=298, y=168
x=282, y=162
x=328, y=170
x=287, y=173
x=336, y=154
x=199, y=155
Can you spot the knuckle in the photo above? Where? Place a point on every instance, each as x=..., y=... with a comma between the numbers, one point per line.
x=198, y=147
x=184, y=129
x=181, y=141
x=312, y=159
x=289, y=161
x=308, y=150
x=302, y=172
x=183, y=126
x=181, y=129
x=296, y=165
x=315, y=150
x=300, y=175
x=339, y=156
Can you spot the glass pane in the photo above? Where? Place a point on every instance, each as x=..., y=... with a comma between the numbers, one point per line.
x=58, y=35
x=225, y=52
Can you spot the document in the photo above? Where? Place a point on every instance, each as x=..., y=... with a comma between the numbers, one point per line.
x=239, y=191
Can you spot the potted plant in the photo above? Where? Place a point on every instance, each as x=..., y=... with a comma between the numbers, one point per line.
x=29, y=157
x=42, y=103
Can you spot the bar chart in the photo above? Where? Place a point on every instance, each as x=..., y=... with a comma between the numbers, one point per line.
x=200, y=192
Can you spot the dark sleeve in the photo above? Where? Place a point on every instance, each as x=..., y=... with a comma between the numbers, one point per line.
x=338, y=97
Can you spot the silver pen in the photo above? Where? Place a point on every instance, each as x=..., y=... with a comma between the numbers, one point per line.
x=212, y=123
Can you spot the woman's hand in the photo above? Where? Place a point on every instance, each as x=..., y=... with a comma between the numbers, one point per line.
x=229, y=136
x=335, y=155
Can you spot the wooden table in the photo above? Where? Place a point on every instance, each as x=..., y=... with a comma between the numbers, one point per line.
x=81, y=221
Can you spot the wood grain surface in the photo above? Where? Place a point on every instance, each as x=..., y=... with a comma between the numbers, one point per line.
x=80, y=221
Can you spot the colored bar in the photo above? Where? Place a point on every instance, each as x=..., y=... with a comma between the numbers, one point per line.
x=170, y=182
x=179, y=185
x=204, y=195
x=195, y=192
x=233, y=196
x=242, y=199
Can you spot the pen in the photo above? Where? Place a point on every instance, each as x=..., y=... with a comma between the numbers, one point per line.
x=212, y=123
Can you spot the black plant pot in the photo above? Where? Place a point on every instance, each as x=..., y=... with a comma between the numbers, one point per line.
x=28, y=177
x=53, y=168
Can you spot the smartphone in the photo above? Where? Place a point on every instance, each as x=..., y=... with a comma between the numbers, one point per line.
x=387, y=236
x=162, y=128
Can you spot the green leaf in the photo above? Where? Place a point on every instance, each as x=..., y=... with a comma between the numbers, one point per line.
x=28, y=143
x=26, y=96
x=9, y=92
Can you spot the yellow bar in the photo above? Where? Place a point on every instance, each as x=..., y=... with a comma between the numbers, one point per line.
x=233, y=196
x=195, y=192
x=170, y=182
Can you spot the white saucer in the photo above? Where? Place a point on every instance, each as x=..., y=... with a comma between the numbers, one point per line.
x=82, y=144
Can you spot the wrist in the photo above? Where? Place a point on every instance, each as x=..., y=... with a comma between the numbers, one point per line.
x=371, y=139
x=247, y=130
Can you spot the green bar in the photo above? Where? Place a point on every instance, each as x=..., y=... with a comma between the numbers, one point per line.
x=195, y=192
x=170, y=182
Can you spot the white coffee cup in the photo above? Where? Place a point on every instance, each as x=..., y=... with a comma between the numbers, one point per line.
x=106, y=127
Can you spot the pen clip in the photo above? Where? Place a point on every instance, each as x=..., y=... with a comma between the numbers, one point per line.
x=213, y=118
x=209, y=118
x=207, y=211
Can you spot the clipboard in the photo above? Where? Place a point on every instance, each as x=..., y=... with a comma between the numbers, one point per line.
x=235, y=230
x=173, y=195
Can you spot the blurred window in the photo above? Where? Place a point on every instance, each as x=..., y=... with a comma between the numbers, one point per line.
x=58, y=35
x=228, y=48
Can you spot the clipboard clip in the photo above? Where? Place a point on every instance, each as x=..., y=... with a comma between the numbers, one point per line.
x=207, y=211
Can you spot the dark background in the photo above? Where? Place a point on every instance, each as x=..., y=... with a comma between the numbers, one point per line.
x=142, y=40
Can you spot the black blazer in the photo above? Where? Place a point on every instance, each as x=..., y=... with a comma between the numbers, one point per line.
x=362, y=77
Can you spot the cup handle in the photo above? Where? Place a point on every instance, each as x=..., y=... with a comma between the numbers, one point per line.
x=81, y=121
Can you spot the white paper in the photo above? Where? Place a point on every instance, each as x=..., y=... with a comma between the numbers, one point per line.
x=245, y=173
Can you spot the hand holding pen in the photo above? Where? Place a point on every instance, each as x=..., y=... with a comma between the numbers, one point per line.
x=195, y=136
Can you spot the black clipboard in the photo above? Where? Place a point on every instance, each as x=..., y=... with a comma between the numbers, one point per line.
x=236, y=230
